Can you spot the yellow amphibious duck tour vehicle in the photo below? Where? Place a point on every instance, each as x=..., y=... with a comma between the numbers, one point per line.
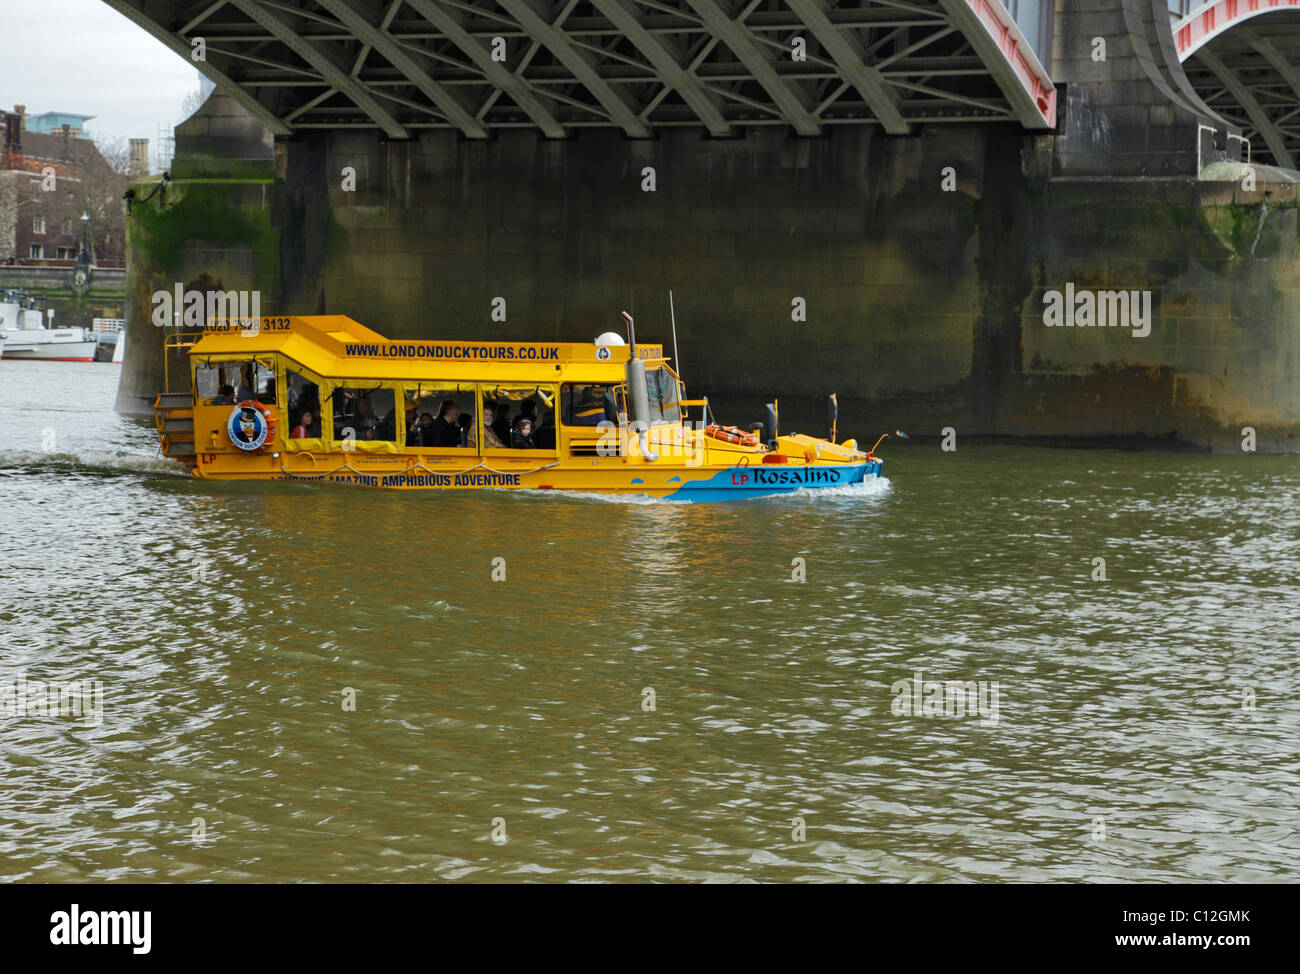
x=323, y=398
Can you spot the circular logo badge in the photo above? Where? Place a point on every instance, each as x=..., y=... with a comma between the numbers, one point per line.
x=246, y=427
x=602, y=353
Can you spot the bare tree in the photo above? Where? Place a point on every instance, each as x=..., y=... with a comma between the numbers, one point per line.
x=192, y=102
x=116, y=152
x=98, y=195
x=16, y=201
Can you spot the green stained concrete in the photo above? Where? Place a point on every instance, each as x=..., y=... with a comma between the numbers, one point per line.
x=924, y=306
x=190, y=211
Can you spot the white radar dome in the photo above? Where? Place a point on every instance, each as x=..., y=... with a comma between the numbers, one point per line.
x=610, y=338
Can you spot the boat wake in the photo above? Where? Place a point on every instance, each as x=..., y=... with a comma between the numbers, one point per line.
x=870, y=488
x=584, y=496
x=91, y=461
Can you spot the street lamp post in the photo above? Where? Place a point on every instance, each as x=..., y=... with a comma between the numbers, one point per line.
x=81, y=273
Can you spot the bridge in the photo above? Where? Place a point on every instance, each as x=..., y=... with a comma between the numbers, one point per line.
x=1243, y=58
x=637, y=66
x=871, y=197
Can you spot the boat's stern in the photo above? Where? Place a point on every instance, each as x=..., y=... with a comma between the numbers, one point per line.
x=814, y=452
x=173, y=414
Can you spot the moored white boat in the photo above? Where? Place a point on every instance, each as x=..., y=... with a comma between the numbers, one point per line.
x=24, y=333
x=56, y=345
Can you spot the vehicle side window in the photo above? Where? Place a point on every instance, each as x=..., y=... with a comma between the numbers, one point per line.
x=207, y=381
x=302, y=396
x=663, y=396
x=226, y=383
x=368, y=413
x=587, y=404
x=522, y=417
x=264, y=383
x=440, y=415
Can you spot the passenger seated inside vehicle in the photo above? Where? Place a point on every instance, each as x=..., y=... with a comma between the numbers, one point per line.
x=312, y=406
x=308, y=427
x=387, y=428
x=245, y=391
x=528, y=408
x=521, y=437
x=490, y=439
x=422, y=434
x=225, y=396
x=446, y=428
x=365, y=422
x=501, y=425
x=544, y=438
x=301, y=395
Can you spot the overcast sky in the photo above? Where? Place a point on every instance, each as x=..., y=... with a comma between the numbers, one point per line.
x=83, y=56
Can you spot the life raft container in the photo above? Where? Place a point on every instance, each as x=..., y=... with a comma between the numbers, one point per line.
x=729, y=434
x=250, y=440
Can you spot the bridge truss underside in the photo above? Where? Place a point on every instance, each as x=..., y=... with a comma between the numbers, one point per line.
x=559, y=65
x=1250, y=76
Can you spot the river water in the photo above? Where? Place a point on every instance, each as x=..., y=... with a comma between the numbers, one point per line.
x=650, y=693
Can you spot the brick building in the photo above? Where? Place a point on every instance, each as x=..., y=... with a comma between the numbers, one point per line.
x=47, y=181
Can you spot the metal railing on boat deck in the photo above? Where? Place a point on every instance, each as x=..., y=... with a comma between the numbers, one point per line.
x=174, y=411
x=180, y=341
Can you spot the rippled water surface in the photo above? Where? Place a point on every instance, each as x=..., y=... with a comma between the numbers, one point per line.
x=1123, y=746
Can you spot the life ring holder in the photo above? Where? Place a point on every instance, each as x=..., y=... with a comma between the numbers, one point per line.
x=268, y=418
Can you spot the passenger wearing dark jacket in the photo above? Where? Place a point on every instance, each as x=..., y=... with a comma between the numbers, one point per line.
x=501, y=424
x=423, y=433
x=446, y=428
x=521, y=436
x=544, y=438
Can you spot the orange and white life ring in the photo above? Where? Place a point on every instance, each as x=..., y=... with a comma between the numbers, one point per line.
x=730, y=434
x=245, y=431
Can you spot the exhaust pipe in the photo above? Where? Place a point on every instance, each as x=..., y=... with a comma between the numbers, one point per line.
x=638, y=392
x=771, y=425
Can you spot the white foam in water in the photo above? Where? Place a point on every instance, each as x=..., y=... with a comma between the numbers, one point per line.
x=96, y=460
x=869, y=488
x=597, y=497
